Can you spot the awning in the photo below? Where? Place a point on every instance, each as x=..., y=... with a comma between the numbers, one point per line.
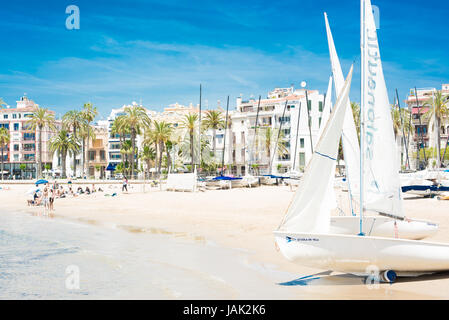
x=111, y=167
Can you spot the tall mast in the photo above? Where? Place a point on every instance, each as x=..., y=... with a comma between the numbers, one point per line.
x=224, y=139
x=279, y=134
x=309, y=120
x=420, y=133
x=199, y=134
x=362, y=108
x=255, y=131
x=297, y=134
x=403, y=131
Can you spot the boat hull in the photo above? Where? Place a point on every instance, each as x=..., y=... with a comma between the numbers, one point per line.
x=362, y=254
x=379, y=226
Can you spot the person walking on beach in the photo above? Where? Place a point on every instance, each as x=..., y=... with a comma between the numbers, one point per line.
x=45, y=200
x=125, y=184
x=51, y=200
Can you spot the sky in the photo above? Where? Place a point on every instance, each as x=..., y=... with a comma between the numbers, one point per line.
x=159, y=52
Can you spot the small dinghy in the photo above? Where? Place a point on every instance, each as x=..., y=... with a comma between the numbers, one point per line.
x=383, y=200
x=306, y=235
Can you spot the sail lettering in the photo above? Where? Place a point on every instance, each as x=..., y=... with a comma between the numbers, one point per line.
x=373, y=57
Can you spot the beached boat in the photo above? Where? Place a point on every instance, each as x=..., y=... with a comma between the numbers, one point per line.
x=304, y=235
x=381, y=176
x=424, y=183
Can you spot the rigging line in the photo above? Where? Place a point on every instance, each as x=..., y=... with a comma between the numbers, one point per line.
x=224, y=139
x=255, y=135
x=297, y=135
x=403, y=130
x=421, y=130
x=325, y=156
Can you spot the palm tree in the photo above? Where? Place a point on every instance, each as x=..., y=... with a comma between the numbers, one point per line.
x=136, y=118
x=85, y=134
x=126, y=150
x=147, y=155
x=64, y=143
x=269, y=136
x=5, y=138
x=120, y=128
x=438, y=110
x=189, y=123
x=400, y=125
x=2, y=103
x=161, y=135
x=214, y=120
x=89, y=113
x=73, y=119
x=356, y=114
x=40, y=119
x=399, y=115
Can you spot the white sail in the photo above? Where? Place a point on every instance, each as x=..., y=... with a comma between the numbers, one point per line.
x=350, y=140
x=381, y=184
x=324, y=119
x=311, y=207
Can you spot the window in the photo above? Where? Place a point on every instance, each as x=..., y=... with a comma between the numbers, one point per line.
x=302, y=159
x=301, y=143
x=102, y=155
x=284, y=119
x=319, y=122
x=28, y=157
x=14, y=116
x=16, y=127
x=26, y=126
x=29, y=147
x=16, y=147
x=309, y=105
x=29, y=136
x=5, y=116
x=77, y=162
x=92, y=155
x=320, y=106
x=16, y=157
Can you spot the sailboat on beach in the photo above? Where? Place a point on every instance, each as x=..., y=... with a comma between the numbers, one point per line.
x=305, y=235
x=387, y=220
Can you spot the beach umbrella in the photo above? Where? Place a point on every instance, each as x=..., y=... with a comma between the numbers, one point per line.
x=41, y=181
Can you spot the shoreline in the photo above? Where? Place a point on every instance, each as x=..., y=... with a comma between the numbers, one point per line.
x=241, y=219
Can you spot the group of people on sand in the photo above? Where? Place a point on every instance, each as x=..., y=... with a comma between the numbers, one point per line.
x=46, y=197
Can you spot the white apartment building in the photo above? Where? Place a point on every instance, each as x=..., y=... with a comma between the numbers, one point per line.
x=241, y=151
x=423, y=136
x=21, y=154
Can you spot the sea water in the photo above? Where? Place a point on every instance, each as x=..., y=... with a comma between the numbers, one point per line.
x=45, y=258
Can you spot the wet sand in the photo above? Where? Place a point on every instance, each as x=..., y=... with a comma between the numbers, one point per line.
x=241, y=219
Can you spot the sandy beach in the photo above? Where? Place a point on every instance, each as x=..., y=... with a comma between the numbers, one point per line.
x=242, y=219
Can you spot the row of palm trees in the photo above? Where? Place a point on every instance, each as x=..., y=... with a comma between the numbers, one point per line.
x=71, y=137
x=161, y=140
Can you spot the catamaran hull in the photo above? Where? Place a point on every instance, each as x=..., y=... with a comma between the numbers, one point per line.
x=378, y=226
x=361, y=254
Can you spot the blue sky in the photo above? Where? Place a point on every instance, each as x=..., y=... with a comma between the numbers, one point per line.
x=160, y=51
